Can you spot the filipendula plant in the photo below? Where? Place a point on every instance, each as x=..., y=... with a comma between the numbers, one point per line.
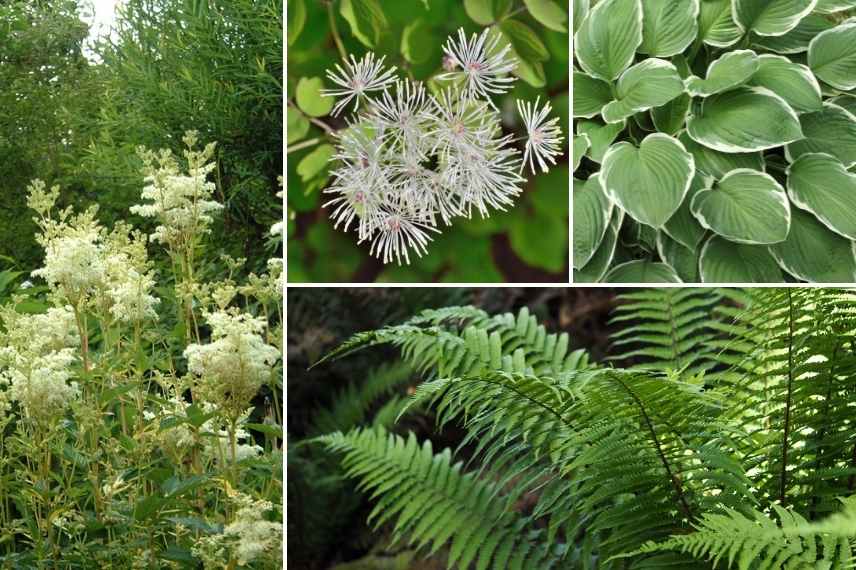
x=715, y=141
x=412, y=160
x=742, y=457
x=132, y=435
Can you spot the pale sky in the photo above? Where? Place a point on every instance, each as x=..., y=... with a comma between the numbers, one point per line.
x=105, y=13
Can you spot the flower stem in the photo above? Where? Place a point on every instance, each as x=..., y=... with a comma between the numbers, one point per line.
x=304, y=144
x=335, y=31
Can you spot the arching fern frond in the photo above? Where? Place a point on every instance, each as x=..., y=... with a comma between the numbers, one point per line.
x=434, y=502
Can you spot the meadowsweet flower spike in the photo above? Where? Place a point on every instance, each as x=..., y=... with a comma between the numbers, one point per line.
x=545, y=137
x=410, y=159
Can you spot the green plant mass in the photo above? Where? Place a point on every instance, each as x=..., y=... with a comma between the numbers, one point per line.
x=715, y=141
x=427, y=141
x=716, y=432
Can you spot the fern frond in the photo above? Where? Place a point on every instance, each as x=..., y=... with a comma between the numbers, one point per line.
x=433, y=501
x=757, y=542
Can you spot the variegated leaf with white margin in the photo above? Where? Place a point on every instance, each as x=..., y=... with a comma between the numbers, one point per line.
x=595, y=269
x=650, y=83
x=746, y=206
x=723, y=261
x=578, y=149
x=832, y=56
x=833, y=6
x=581, y=10
x=668, y=26
x=641, y=271
x=600, y=137
x=717, y=27
x=831, y=130
x=592, y=213
x=746, y=119
x=814, y=253
x=819, y=183
x=649, y=182
x=732, y=69
x=683, y=227
x=679, y=257
x=798, y=39
x=590, y=95
x=793, y=82
x=771, y=17
x=606, y=41
x=718, y=164
x=846, y=102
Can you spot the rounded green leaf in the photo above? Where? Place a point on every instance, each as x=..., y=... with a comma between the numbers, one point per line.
x=592, y=211
x=650, y=83
x=315, y=162
x=479, y=11
x=600, y=137
x=771, y=17
x=798, y=39
x=578, y=149
x=596, y=268
x=683, y=227
x=671, y=117
x=793, y=82
x=296, y=125
x=641, y=271
x=296, y=19
x=746, y=206
x=832, y=56
x=717, y=27
x=746, y=119
x=820, y=184
x=606, y=42
x=680, y=258
x=815, y=254
x=543, y=245
x=548, y=13
x=718, y=164
x=415, y=38
x=648, y=182
x=732, y=69
x=309, y=97
x=590, y=95
x=526, y=43
x=831, y=130
x=722, y=261
x=668, y=26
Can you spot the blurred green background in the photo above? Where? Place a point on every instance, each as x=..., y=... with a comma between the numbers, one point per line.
x=528, y=243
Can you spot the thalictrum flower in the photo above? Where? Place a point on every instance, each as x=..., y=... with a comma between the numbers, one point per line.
x=485, y=66
x=544, y=137
x=357, y=79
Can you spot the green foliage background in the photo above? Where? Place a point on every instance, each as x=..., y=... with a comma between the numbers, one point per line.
x=527, y=243
x=73, y=114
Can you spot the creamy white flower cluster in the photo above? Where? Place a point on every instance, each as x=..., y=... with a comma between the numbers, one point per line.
x=410, y=159
x=234, y=365
x=37, y=353
x=180, y=201
x=86, y=264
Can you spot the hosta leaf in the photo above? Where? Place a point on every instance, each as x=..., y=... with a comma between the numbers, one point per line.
x=668, y=26
x=746, y=119
x=832, y=6
x=590, y=95
x=548, y=13
x=793, y=82
x=683, y=227
x=718, y=164
x=680, y=258
x=732, y=69
x=722, y=261
x=820, y=184
x=832, y=56
x=846, y=102
x=607, y=39
x=648, y=182
x=771, y=17
x=831, y=130
x=746, y=206
x=592, y=213
x=797, y=40
x=596, y=268
x=716, y=24
x=813, y=253
x=580, y=146
x=581, y=10
x=650, y=83
x=600, y=137
x=671, y=117
x=641, y=271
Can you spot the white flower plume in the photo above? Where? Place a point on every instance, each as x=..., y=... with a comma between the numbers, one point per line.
x=544, y=141
x=357, y=79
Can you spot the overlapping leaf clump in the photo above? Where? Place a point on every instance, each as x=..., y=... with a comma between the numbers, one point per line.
x=715, y=140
